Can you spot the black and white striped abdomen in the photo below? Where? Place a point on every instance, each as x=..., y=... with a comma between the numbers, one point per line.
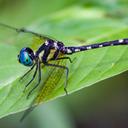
x=70, y=50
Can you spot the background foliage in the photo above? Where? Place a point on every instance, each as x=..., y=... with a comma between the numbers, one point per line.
x=68, y=21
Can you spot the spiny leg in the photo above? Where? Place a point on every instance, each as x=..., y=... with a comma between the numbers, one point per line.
x=67, y=72
x=28, y=72
x=39, y=80
x=32, y=77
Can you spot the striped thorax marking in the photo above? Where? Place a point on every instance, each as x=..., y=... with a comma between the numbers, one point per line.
x=46, y=42
x=56, y=45
x=41, y=55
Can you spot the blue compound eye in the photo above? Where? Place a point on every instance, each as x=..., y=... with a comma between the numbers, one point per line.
x=25, y=58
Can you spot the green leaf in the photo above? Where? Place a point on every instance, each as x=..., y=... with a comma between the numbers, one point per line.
x=71, y=26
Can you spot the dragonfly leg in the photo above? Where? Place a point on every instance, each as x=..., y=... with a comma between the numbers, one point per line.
x=67, y=72
x=28, y=72
x=39, y=80
x=62, y=58
x=32, y=77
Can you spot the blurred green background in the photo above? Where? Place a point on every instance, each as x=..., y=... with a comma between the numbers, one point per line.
x=103, y=105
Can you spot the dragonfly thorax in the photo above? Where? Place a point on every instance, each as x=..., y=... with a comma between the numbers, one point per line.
x=26, y=56
x=49, y=50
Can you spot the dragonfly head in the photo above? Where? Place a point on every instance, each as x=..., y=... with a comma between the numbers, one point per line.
x=26, y=56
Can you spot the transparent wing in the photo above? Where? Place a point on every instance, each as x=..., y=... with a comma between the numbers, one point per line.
x=51, y=76
x=7, y=36
x=28, y=40
x=51, y=81
x=21, y=37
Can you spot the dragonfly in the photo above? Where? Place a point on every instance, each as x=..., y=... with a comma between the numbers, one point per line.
x=52, y=50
